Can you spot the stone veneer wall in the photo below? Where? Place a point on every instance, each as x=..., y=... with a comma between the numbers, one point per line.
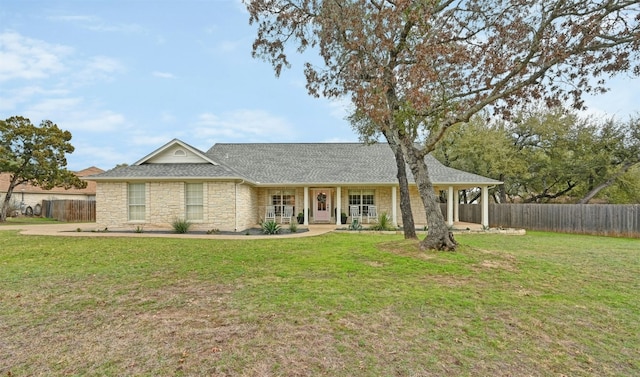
x=246, y=207
x=164, y=203
x=417, y=207
x=111, y=204
x=227, y=206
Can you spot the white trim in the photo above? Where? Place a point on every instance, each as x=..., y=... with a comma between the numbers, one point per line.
x=485, y=206
x=306, y=205
x=450, y=206
x=394, y=204
x=338, y=205
x=456, y=206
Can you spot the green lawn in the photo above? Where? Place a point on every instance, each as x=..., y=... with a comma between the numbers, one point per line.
x=335, y=305
x=27, y=220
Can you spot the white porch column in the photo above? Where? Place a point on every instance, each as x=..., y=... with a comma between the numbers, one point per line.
x=338, y=205
x=456, y=206
x=306, y=206
x=485, y=206
x=450, y=206
x=394, y=205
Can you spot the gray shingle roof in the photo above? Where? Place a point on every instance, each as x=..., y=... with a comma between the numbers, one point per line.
x=298, y=163
x=167, y=171
x=327, y=163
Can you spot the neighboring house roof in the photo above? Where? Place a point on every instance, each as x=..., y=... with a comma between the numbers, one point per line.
x=30, y=189
x=271, y=164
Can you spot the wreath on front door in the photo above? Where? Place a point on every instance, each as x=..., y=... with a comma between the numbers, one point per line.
x=322, y=198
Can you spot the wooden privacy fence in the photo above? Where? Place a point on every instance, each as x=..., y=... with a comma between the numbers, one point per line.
x=598, y=219
x=71, y=211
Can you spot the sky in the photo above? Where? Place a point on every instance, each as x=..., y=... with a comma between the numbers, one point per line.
x=126, y=77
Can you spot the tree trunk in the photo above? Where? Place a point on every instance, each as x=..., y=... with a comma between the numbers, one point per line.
x=6, y=202
x=438, y=237
x=502, y=191
x=3, y=211
x=408, y=225
x=594, y=191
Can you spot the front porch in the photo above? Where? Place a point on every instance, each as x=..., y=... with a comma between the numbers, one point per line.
x=334, y=205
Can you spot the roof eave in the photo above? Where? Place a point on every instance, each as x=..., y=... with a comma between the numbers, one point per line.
x=471, y=184
x=171, y=179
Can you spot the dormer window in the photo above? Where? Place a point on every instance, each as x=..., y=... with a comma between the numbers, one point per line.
x=180, y=153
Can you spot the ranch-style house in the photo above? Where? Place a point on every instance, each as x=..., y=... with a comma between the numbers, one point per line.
x=235, y=186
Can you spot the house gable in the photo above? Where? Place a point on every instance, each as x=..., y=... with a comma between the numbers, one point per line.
x=176, y=152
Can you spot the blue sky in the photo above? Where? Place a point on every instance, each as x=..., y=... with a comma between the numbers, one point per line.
x=125, y=77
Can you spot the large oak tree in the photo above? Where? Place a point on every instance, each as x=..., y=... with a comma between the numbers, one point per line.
x=416, y=68
x=36, y=155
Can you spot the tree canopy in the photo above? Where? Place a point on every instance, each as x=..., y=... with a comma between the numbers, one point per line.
x=415, y=68
x=546, y=155
x=35, y=155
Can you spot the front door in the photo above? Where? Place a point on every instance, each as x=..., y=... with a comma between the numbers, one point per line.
x=322, y=205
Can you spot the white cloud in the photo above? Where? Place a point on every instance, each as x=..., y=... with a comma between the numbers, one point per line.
x=163, y=75
x=48, y=107
x=74, y=114
x=340, y=108
x=94, y=23
x=23, y=58
x=149, y=140
x=117, y=28
x=620, y=101
x=95, y=69
x=96, y=121
x=167, y=117
x=243, y=125
x=26, y=58
x=229, y=46
x=73, y=18
x=88, y=153
x=11, y=98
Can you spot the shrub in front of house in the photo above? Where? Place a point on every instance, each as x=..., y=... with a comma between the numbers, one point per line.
x=270, y=227
x=384, y=223
x=181, y=225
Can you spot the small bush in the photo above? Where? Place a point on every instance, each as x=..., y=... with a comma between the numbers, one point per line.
x=293, y=227
x=355, y=225
x=384, y=223
x=181, y=225
x=139, y=229
x=270, y=227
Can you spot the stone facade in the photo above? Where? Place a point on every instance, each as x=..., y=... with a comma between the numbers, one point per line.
x=111, y=205
x=227, y=205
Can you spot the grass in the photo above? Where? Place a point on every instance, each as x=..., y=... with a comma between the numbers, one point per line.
x=335, y=305
x=28, y=220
